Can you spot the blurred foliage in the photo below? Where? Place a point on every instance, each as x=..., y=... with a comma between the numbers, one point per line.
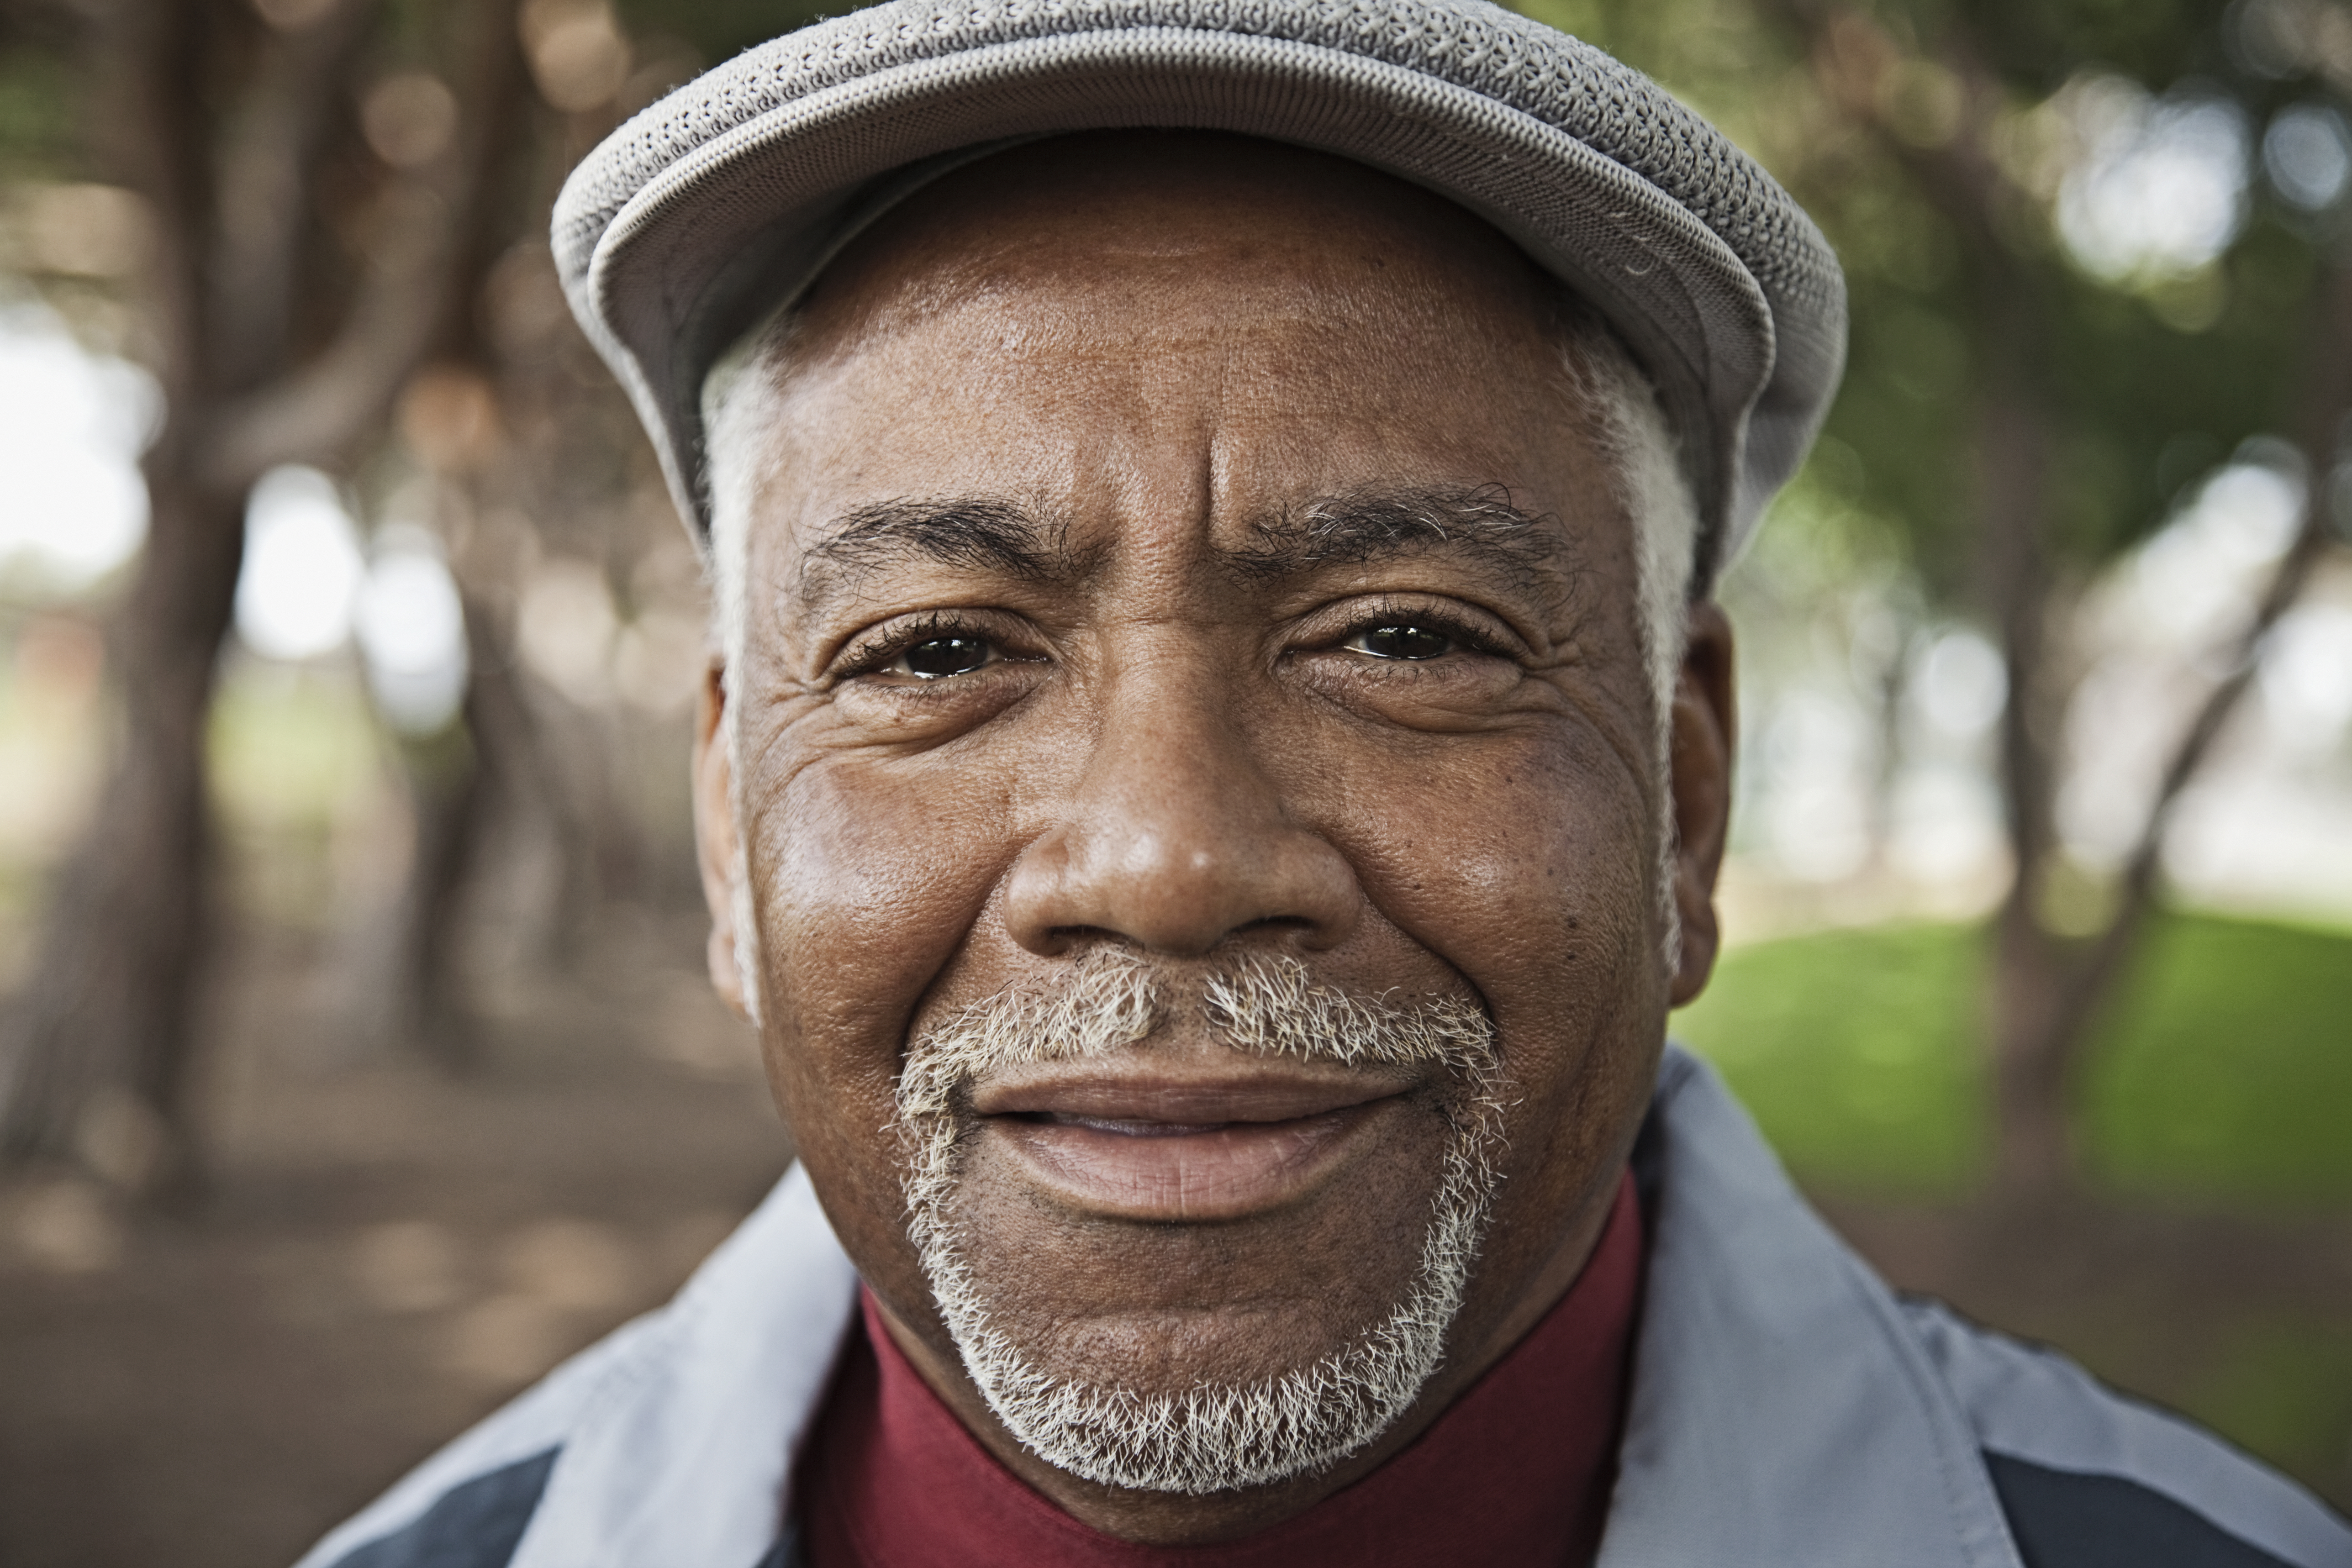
x=2156, y=40
x=718, y=29
x=38, y=89
x=298, y=768
x=291, y=746
x=2152, y=387
x=2220, y=1073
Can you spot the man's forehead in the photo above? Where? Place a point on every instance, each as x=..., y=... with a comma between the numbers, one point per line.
x=1283, y=326
x=1059, y=477
x=1268, y=360
x=1180, y=217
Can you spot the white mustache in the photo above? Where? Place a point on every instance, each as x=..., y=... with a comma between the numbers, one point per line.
x=1263, y=1005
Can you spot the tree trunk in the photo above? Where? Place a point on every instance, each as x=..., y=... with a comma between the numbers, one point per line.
x=2029, y=968
x=109, y=1002
x=110, y=1005
x=448, y=797
x=454, y=781
x=111, y=997
x=2046, y=990
x=2049, y=991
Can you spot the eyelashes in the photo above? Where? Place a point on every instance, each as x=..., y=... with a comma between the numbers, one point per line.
x=1403, y=631
x=937, y=649
x=935, y=646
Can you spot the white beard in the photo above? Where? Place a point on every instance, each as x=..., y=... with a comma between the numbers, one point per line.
x=1210, y=1438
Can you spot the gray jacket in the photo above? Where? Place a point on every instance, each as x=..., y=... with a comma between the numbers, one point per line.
x=1789, y=1411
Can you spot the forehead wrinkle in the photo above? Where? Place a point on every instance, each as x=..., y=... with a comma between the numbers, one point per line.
x=975, y=533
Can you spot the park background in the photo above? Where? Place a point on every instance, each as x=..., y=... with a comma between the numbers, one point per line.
x=356, y=1061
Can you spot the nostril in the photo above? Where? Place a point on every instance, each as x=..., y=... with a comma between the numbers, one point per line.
x=1062, y=938
x=1276, y=923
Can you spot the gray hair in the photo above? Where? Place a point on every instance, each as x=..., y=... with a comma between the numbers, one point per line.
x=741, y=404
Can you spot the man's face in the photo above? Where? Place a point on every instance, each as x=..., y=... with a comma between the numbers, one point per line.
x=1182, y=558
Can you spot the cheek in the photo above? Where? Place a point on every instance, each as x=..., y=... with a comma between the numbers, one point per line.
x=868, y=878
x=1527, y=868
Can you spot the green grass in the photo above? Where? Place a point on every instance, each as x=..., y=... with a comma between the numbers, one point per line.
x=2227, y=1069
x=2222, y=1071
x=1854, y=1050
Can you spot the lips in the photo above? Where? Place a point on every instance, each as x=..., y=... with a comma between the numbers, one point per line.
x=1216, y=1136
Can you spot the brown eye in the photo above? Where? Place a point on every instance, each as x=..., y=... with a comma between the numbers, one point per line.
x=1403, y=640
x=942, y=656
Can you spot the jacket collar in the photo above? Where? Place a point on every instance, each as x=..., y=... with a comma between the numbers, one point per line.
x=1782, y=1411
x=685, y=1454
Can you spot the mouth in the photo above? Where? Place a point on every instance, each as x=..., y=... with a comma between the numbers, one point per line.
x=1145, y=1143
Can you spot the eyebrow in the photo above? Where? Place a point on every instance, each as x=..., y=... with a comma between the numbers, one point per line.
x=975, y=533
x=1361, y=526
x=1351, y=529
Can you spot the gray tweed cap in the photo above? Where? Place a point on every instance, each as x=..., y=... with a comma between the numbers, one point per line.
x=694, y=220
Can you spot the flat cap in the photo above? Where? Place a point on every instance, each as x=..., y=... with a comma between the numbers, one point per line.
x=724, y=200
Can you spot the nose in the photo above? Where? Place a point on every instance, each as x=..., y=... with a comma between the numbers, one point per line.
x=1174, y=838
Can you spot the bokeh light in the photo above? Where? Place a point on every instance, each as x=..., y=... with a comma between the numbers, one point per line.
x=2161, y=190
x=412, y=630
x=2307, y=153
x=72, y=425
x=302, y=567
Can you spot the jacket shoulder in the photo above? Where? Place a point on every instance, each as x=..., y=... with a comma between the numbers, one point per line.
x=2089, y=1478
x=468, y=1505
x=477, y=1523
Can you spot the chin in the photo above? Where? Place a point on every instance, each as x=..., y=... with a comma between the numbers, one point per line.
x=1163, y=1357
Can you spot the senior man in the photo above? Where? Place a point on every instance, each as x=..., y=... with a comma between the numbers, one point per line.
x=1214, y=779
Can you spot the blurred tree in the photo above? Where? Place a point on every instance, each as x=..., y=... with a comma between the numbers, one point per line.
x=2022, y=418
x=519, y=450
x=2047, y=350
x=718, y=29
x=348, y=197
x=317, y=192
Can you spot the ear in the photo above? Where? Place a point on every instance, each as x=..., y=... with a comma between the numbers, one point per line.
x=716, y=848
x=1705, y=735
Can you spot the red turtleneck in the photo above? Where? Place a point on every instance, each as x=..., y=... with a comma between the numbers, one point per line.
x=1516, y=1472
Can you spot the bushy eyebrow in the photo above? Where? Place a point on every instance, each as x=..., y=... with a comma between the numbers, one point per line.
x=976, y=533
x=1361, y=526
x=991, y=535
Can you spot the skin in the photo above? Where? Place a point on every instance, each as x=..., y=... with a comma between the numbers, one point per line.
x=1176, y=738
